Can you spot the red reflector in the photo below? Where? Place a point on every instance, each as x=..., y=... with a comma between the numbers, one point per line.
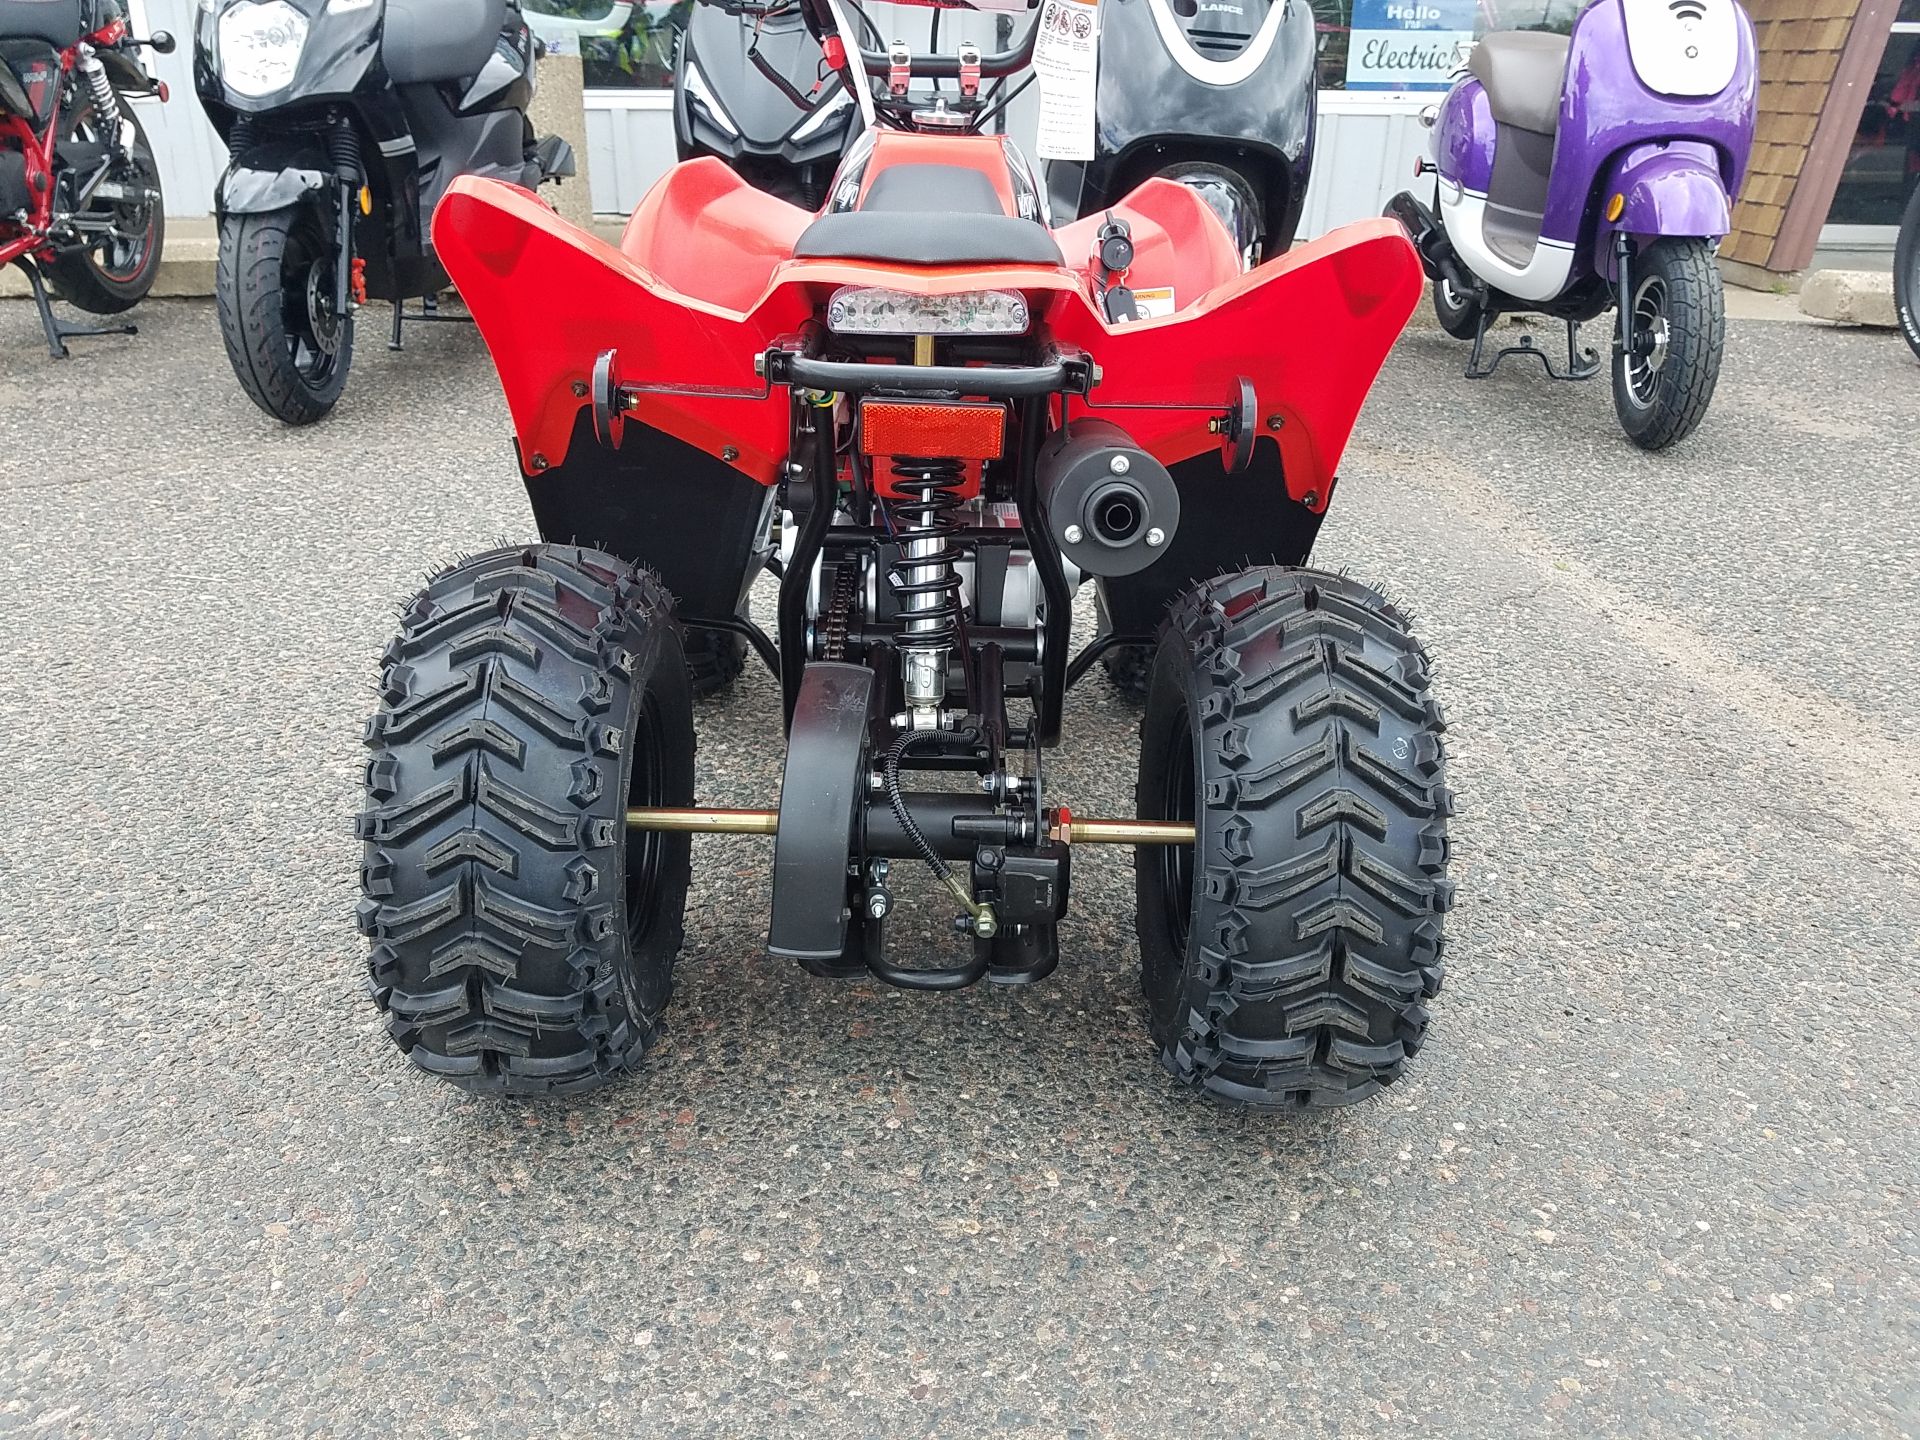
x=953, y=432
x=163, y=92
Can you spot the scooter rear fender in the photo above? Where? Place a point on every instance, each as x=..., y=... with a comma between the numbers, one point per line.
x=1673, y=189
x=1309, y=329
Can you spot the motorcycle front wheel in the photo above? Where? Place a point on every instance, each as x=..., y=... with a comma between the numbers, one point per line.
x=1906, y=273
x=1676, y=324
x=275, y=289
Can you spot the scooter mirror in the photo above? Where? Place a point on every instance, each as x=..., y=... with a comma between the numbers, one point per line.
x=161, y=42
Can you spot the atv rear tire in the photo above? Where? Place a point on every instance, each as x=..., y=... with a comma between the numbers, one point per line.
x=1285, y=955
x=523, y=937
x=1127, y=666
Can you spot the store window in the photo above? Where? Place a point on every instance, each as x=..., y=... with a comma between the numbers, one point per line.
x=1418, y=45
x=1883, y=163
x=622, y=45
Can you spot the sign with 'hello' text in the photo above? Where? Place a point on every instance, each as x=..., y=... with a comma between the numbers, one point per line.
x=1408, y=44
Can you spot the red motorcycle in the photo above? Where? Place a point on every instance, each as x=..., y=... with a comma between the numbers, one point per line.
x=80, y=204
x=960, y=415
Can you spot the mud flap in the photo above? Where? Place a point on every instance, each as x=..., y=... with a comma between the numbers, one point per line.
x=821, y=792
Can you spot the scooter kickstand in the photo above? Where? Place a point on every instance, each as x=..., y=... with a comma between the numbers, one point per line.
x=395, y=342
x=58, y=331
x=1581, y=364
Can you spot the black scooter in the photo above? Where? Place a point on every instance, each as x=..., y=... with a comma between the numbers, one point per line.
x=747, y=89
x=347, y=120
x=1218, y=95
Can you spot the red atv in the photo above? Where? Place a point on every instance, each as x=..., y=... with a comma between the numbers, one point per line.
x=959, y=416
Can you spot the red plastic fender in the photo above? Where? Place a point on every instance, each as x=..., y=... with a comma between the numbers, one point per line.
x=1309, y=329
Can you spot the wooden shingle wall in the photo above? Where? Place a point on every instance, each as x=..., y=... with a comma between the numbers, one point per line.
x=1810, y=51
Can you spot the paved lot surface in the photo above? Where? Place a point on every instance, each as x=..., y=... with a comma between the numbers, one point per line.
x=1656, y=1174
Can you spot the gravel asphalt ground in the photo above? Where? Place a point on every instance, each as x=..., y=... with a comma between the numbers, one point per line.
x=1657, y=1173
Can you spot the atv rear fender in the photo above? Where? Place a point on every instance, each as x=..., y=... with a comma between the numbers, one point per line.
x=1309, y=329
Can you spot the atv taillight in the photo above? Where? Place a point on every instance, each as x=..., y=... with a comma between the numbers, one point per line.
x=953, y=432
x=873, y=310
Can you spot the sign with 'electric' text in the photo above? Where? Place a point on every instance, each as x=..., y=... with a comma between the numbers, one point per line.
x=1408, y=44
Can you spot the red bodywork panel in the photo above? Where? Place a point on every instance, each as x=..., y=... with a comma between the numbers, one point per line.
x=701, y=284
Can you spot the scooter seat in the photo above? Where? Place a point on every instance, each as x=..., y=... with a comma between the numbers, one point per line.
x=55, y=21
x=1522, y=72
x=434, y=40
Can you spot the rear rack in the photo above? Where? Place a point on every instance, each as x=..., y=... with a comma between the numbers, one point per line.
x=1058, y=375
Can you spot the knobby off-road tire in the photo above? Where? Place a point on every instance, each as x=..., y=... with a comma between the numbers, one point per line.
x=1677, y=281
x=1286, y=956
x=108, y=285
x=522, y=938
x=1906, y=273
x=260, y=289
x=1126, y=666
x=1458, y=314
x=715, y=659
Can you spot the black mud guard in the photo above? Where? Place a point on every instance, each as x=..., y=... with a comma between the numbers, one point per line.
x=822, y=790
x=272, y=176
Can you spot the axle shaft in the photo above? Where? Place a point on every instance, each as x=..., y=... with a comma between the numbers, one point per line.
x=765, y=822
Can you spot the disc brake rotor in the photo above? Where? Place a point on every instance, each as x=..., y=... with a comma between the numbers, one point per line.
x=322, y=323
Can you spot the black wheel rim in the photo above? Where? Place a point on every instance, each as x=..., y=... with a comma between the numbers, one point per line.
x=1647, y=351
x=120, y=254
x=646, y=849
x=315, y=331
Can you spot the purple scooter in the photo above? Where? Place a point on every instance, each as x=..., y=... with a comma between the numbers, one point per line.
x=1577, y=172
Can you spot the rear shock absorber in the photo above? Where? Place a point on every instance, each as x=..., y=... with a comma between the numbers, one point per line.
x=106, y=104
x=926, y=582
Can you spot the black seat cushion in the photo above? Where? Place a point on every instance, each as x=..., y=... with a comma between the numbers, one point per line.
x=1522, y=71
x=55, y=21
x=430, y=40
x=933, y=188
x=917, y=237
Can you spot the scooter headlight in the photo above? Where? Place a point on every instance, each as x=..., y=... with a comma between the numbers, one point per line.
x=870, y=310
x=702, y=95
x=260, y=46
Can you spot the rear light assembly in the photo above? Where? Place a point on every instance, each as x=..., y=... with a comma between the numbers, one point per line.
x=874, y=310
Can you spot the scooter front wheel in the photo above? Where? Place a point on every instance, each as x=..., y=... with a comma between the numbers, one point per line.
x=274, y=287
x=1676, y=324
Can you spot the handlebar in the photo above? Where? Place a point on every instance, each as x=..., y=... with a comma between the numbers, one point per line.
x=947, y=67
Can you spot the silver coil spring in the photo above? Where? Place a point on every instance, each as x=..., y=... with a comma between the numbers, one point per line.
x=925, y=582
x=106, y=104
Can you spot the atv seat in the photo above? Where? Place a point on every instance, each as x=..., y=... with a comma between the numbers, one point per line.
x=1522, y=72
x=908, y=216
x=907, y=237
x=55, y=21
x=434, y=40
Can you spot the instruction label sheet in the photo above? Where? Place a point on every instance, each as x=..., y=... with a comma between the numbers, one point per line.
x=1066, y=59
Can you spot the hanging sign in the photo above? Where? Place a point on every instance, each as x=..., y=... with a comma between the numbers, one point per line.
x=1408, y=44
x=1066, y=60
